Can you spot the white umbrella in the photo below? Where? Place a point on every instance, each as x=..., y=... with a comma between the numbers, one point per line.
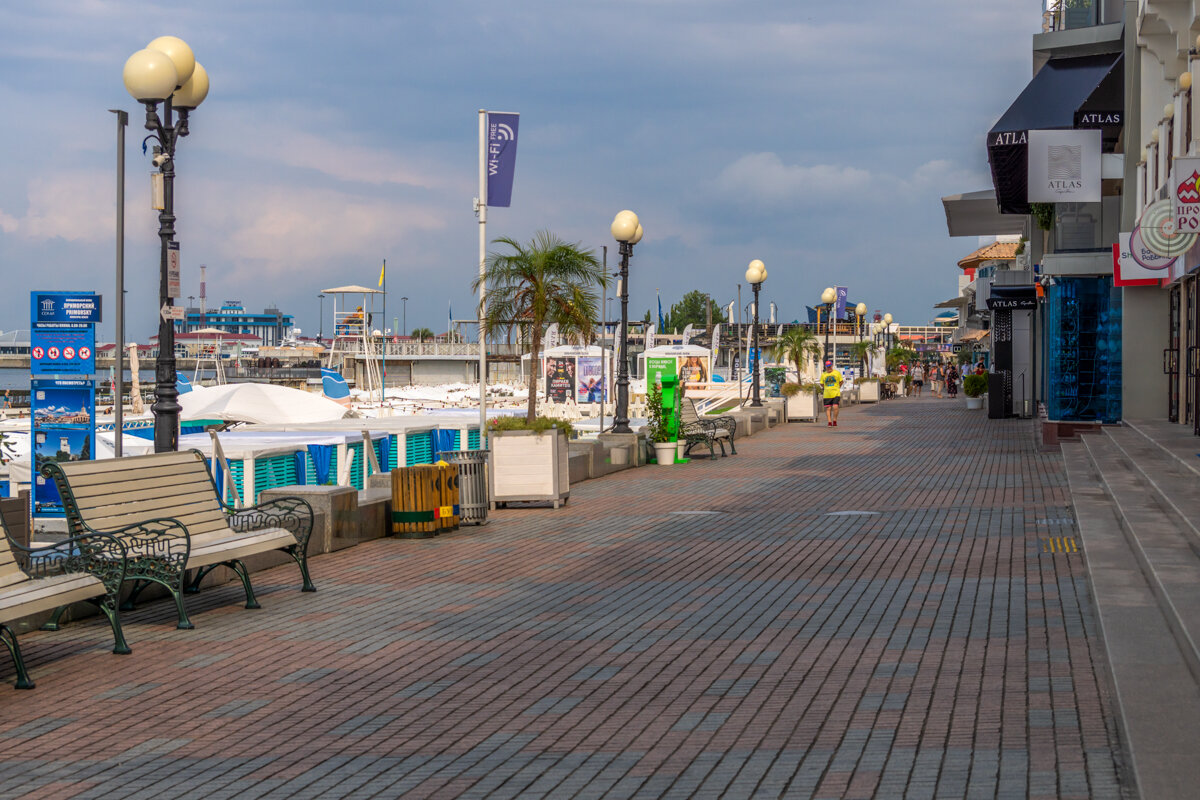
x=263, y=403
x=135, y=391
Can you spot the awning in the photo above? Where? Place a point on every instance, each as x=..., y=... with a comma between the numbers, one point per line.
x=1012, y=298
x=1084, y=92
x=978, y=214
x=973, y=336
x=954, y=302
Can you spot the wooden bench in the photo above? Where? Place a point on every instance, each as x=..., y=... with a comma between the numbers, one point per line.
x=37, y=579
x=707, y=430
x=165, y=509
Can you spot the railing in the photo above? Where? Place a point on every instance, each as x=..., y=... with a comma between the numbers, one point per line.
x=273, y=373
x=1065, y=15
x=417, y=349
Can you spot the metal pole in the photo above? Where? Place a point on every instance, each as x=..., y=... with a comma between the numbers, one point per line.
x=483, y=279
x=603, y=330
x=321, y=318
x=756, y=402
x=404, y=316
x=383, y=345
x=739, y=341
x=119, y=383
x=166, y=396
x=828, y=325
x=621, y=420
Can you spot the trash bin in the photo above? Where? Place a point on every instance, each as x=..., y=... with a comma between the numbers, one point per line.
x=415, y=502
x=472, y=483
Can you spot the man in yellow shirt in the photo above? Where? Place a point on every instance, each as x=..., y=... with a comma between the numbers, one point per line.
x=831, y=382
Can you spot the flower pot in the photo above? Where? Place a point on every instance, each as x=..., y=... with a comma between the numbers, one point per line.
x=681, y=448
x=664, y=453
x=974, y=403
x=524, y=465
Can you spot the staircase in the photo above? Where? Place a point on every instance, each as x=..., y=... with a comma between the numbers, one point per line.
x=1136, y=492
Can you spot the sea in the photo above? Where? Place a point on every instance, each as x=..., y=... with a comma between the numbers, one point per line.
x=19, y=378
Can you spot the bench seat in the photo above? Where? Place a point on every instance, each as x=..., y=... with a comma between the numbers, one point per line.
x=166, y=511
x=46, y=594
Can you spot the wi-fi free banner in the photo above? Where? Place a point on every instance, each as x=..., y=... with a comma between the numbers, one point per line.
x=501, y=157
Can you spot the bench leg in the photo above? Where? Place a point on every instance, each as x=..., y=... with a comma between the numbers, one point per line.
x=244, y=574
x=138, y=585
x=10, y=640
x=301, y=560
x=52, y=623
x=114, y=619
x=193, y=586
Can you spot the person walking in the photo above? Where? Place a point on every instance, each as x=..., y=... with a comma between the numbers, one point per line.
x=918, y=378
x=952, y=382
x=831, y=382
x=935, y=379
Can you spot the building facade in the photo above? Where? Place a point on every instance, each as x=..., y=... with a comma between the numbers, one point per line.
x=271, y=326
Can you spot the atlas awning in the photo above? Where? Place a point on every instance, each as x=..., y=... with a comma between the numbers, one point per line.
x=1022, y=297
x=1083, y=92
x=978, y=214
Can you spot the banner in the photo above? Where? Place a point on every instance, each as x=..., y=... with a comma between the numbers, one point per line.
x=592, y=386
x=1142, y=268
x=687, y=332
x=1185, y=194
x=839, y=308
x=716, y=339
x=501, y=157
x=1064, y=166
x=64, y=429
x=560, y=379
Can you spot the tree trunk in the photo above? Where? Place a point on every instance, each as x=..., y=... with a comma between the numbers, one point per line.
x=535, y=351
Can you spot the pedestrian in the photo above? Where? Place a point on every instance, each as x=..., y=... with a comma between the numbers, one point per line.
x=831, y=382
x=952, y=382
x=918, y=377
x=935, y=375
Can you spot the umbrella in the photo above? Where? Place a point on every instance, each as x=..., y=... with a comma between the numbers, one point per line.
x=263, y=403
x=135, y=391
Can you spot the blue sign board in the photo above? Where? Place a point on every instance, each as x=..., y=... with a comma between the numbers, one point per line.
x=64, y=429
x=65, y=348
x=65, y=307
x=501, y=157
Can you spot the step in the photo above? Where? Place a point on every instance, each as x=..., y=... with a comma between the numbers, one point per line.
x=1172, y=438
x=1157, y=537
x=1174, y=479
x=1156, y=699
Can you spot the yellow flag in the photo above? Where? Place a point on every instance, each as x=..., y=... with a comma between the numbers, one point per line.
x=381, y=271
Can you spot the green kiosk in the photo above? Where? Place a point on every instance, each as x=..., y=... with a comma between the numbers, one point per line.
x=663, y=371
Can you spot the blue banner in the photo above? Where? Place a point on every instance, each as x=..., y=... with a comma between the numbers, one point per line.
x=839, y=308
x=65, y=307
x=64, y=429
x=62, y=349
x=501, y=157
x=662, y=323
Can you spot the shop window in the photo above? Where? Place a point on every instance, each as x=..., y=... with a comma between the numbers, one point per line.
x=1083, y=350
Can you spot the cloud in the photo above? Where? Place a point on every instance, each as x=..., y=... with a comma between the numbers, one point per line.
x=349, y=162
x=76, y=206
x=8, y=223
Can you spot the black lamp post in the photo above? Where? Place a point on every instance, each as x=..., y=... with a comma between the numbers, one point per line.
x=321, y=319
x=828, y=297
x=756, y=273
x=166, y=72
x=887, y=331
x=627, y=231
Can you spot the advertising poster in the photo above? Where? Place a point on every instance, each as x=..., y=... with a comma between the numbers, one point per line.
x=776, y=377
x=592, y=386
x=64, y=414
x=693, y=369
x=560, y=379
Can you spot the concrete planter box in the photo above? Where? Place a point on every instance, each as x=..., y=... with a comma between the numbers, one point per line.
x=804, y=407
x=525, y=465
x=868, y=391
x=974, y=403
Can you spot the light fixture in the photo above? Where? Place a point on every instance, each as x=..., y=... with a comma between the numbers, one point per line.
x=627, y=230
x=829, y=295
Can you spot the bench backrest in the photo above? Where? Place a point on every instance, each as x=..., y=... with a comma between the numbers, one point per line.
x=687, y=412
x=112, y=493
x=10, y=570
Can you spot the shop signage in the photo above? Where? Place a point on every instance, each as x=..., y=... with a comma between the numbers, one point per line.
x=1012, y=298
x=65, y=307
x=1064, y=166
x=1135, y=265
x=1185, y=194
x=1098, y=119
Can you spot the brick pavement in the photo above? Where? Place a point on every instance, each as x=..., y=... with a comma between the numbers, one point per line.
x=860, y=612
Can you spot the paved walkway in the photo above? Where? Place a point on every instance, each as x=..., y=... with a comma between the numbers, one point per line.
x=866, y=611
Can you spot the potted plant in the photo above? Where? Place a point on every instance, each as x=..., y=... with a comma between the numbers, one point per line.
x=529, y=460
x=868, y=390
x=656, y=428
x=975, y=387
x=803, y=401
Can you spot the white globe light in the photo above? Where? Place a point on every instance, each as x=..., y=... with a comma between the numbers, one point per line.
x=887, y=319
x=637, y=235
x=861, y=309
x=829, y=295
x=624, y=226
x=192, y=93
x=756, y=272
x=1169, y=110
x=179, y=53
x=149, y=76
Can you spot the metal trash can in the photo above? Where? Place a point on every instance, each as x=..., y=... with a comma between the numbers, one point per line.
x=472, y=483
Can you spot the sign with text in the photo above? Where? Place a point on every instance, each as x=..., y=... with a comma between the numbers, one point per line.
x=65, y=307
x=501, y=157
x=66, y=348
x=1137, y=268
x=174, y=290
x=1185, y=194
x=64, y=429
x=1064, y=166
x=1012, y=298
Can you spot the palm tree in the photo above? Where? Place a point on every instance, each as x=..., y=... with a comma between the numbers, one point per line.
x=536, y=284
x=797, y=345
x=421, y=334
x=861, y=349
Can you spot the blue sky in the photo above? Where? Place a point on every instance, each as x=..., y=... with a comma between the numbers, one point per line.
x=817, y=137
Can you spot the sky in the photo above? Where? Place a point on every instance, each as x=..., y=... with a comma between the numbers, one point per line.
x=817, y=137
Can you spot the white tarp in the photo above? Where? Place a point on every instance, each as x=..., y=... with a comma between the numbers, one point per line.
x=263, y=403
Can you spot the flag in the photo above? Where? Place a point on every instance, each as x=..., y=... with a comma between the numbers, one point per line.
x=839, y=308
x=687, y=333
x=382, y=270
x=662, y=323
x=450, y=316
x=501, y=157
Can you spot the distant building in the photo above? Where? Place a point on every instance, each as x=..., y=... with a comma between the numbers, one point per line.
x=270, y=326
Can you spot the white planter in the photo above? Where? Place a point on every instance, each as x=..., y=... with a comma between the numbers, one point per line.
x=664, y=453
x=524, y=465
x=804, y=407
x=974, y=403
x=680, y=447
x=868, y=392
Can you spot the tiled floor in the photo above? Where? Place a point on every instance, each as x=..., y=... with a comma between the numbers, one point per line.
x=870, y=611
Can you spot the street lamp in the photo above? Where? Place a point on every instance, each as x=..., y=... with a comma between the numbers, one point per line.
x=627, y=231
x=321, y=319
x=828, y=297
x=887, y=330
x=166, y=72
x=756, y=273
x=404, y=316
x=860, y=311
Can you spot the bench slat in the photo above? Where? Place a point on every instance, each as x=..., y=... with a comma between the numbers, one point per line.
x=147, y=493
x=194, y=518
x=111, y=467
x=148, y=477
x=155, y=506
x=44, y=594
x=238, y=545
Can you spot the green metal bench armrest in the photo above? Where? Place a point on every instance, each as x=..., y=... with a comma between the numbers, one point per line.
x=290, y=513
x=97, y=554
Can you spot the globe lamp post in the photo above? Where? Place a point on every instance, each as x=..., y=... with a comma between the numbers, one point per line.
x=627, y=231
x=166, y=72
x=828, y=298
x=756, y=273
